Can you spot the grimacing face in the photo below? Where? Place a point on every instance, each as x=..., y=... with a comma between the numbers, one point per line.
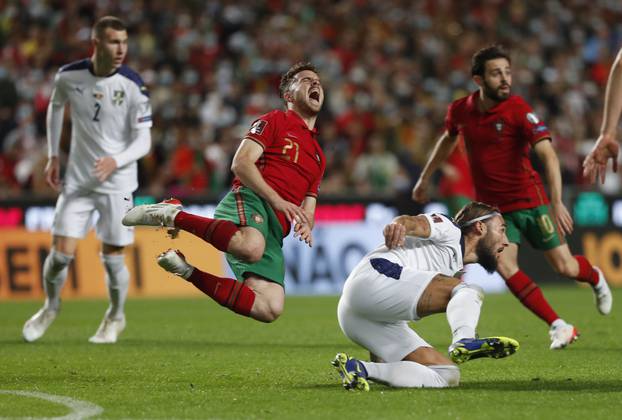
x=306, y=92
x=112, y=47
x=492, y=244
x=497, y=80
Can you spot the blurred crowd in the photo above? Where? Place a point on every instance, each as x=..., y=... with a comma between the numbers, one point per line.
x=389, y=69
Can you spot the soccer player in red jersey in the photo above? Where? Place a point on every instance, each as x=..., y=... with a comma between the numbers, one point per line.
x=499, y=129
x=278, y=168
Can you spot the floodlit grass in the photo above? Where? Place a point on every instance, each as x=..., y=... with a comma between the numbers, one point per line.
x=194, y=359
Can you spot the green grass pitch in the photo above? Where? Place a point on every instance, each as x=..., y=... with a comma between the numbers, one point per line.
x=193, y=359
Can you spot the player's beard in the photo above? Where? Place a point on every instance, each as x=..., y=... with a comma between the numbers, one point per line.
x=494, y=94
x=487, y=254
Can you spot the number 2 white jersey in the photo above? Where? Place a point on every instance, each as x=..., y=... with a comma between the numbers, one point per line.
x=442, y=252
x=104, y=110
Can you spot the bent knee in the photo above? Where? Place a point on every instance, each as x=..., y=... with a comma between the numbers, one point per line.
x=270, y=312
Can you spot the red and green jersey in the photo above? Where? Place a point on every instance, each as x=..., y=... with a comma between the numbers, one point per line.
x=292, y=162
x=498, y=143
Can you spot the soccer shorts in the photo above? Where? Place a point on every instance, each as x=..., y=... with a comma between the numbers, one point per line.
x=245, y=208
x=375, y=307
x=536, y=224
x=77, y=211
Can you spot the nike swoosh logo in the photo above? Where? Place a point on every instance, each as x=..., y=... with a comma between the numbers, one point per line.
x=548, y=239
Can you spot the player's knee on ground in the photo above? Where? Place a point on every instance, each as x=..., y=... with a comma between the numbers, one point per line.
x=450, y=373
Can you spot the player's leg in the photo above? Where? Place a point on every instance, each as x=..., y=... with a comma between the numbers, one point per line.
x=237, y=209
x=403, y=353
x=256, y=292
x=580, y=269
x=115, y=237
x=462, y=304
x=72, y=216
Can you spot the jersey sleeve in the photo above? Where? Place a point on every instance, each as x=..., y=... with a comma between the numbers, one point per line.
x=59, y=92
x=532, y=128
x=451, y=124
x=140, y=110
x=262, y=130
x=442, y=229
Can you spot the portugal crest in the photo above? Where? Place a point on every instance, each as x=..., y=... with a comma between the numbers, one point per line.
x=499, y=126
x=117, y=97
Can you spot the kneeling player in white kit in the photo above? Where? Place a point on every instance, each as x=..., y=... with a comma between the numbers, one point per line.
x=111, y=118
x=411, y=277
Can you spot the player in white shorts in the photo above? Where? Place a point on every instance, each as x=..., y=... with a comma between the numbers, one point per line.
x=412, y=276
x=111, y=120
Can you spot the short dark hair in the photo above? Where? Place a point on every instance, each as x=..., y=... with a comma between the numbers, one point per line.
x=478, y=61
x=107, y=22
x=288, y=77
x=472, y=211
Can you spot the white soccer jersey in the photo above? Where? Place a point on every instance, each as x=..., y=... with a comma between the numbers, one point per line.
x=442, y=252
x=104, y=110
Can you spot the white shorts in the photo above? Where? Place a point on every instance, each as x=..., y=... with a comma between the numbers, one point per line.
x=77, y=211
x=375, y=308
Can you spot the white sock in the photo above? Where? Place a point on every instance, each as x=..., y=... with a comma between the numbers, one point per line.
x=54, y=276
x=463, y=310
x=117, y=280
x=407, y=374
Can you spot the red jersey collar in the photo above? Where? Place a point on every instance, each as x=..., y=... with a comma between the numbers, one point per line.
x=303, y=124
x=472, y=104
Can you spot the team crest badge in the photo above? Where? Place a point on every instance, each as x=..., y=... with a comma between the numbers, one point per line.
x=117, y=97
x=257, y=218
x=499, y=126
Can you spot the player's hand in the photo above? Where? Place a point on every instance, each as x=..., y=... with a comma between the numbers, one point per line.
x=294, y=213
x=563, y=219
x=52, y=173
x=302, y=231
x=420, y=191
x=394, y=235
x=595, y=163
x=104, y=167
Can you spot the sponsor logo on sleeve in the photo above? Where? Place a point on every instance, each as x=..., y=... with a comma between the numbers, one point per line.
x=258, y=127
x=144, y=119
x=437, y=219
x=531, y=117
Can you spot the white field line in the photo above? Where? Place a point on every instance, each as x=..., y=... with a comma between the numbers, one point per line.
x=80, y=409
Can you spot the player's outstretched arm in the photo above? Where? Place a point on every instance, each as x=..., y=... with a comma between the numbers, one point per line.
x=243, y=166
x=443, y=148
x=395, y=232
x=546, y=153
x=606, y=146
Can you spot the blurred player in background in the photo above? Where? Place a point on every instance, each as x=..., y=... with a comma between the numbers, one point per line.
x=607, y=147
x=498, y=129
x=111, y=117
x=456, y=185
x=278, y=168
x=410, y=277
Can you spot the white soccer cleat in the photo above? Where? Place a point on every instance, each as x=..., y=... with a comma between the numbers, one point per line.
x=174, y=262
x=108, y=331
x=36, y=326
x=160, y=214
x=562, y=335
x=602, y=293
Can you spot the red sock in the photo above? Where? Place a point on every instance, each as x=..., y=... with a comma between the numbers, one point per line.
x=215, y=231
x=229, y=293
x=587, y=274
x=531, y=296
